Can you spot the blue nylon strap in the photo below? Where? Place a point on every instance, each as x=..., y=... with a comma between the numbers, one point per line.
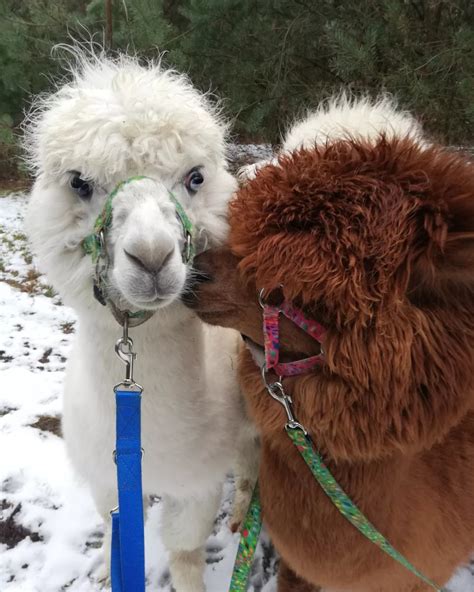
x=128, y=545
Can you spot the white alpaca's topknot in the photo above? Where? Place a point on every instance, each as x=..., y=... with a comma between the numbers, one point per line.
x=128, y=116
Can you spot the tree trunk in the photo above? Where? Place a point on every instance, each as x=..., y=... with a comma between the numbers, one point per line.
x=108, y=24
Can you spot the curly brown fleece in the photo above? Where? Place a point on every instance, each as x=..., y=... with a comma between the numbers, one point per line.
x=376, y=241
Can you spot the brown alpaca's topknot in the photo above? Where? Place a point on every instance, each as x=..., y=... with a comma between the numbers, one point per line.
x=356, y=225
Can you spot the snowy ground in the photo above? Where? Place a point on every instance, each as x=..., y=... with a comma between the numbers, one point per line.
x=50, y=533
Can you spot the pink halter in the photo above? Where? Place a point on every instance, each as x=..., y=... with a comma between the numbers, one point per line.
x=271, y=332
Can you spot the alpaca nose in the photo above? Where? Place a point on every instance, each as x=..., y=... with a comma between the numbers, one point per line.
x=149, y=260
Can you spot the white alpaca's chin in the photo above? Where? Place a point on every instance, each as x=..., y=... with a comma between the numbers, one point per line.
x=155, y=304
x=127, y=300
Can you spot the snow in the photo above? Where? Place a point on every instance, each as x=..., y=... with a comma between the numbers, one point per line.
x=50, y=532
x=251, y=152
x=243, y=154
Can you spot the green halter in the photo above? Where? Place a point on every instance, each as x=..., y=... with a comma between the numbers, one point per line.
x=94, y=245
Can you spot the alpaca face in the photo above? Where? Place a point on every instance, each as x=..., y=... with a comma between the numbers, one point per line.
x=113, y=121
x=146, y=242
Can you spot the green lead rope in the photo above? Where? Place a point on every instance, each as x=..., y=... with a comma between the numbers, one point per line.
x=250, y=532
x=344, y=503
x=338, y=497
x=189, y=250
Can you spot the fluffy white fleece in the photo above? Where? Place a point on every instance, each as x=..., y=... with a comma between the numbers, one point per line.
x=343, y=116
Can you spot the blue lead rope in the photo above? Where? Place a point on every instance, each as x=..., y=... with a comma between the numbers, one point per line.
x=128, y=545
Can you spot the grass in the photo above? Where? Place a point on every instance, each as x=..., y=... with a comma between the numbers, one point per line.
x=8, y=186
x=22, y=286
x=30, y=284
x=67, y=327
x=16, y=243
x=49, y=292
x=8, y=242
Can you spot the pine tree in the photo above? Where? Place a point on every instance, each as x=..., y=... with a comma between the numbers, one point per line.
x=271, y=60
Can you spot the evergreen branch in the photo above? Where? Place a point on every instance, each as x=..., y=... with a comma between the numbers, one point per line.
x=432, y=58
x=322, y=68
x=417, y=9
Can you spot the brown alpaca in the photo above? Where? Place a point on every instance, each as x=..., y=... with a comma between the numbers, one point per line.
x=375, y=241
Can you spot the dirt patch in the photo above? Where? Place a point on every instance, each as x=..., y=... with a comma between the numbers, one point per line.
x=14, y=185
x=12, y=533
x=29, y=285
x=48, y=423
x=67, y=328
x=45, y=357
x=4, y=357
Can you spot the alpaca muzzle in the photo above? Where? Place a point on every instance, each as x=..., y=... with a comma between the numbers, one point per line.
x=95, y=245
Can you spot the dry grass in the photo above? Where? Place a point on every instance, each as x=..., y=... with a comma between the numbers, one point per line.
x=48, y=423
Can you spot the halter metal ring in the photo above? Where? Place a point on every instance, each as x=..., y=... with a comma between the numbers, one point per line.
x=277, y=392
x=261, y=295
x=124, y=349
x=273, y=387
x=188, y=247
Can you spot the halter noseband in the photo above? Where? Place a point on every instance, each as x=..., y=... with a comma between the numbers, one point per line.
x=271, y=334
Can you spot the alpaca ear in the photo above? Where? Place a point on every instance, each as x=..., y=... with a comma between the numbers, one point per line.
x=446, y=260
x=457, y=262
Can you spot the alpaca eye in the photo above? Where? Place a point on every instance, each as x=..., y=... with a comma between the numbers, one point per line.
x=83, y=188
x=193, y=180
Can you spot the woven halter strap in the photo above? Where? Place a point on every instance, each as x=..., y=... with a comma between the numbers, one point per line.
x=271, y=333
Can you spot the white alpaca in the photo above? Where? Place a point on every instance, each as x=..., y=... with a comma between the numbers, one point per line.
x=116, y=119
x=340, y=117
